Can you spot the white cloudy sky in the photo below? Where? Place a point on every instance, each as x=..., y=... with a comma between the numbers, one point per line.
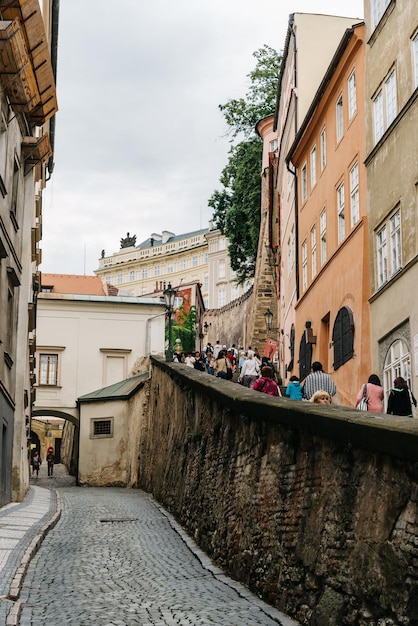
x=140, y=141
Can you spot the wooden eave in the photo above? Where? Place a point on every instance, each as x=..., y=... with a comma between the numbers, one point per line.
x=30, y=16
x=36, y=149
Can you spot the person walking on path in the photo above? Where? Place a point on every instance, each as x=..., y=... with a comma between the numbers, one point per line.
x=223, y=367
x=250, y=371
x=401, y=399
x=318, y=380
x=266, y=384
x=50, y=459
x=294, y=389
x=36, y=463
x=373, y=391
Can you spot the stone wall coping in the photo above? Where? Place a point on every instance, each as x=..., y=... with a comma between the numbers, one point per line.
x=377, y=432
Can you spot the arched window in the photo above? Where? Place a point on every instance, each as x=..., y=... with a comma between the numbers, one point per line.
x=397, y=363
x=305, y=355
x=343, y=337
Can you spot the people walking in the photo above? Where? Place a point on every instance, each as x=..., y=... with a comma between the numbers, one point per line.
x=250, y=371
x=223, y=367
x=36, y=463
x=199, y=362
x=318, y=380
x=373, y=392
x=294, y=389
x=401, y=399
x=265, y=383
x=50, y=459
x=216, y=349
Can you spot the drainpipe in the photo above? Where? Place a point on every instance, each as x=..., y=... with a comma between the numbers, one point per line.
x=293, y=172
x=54, y=56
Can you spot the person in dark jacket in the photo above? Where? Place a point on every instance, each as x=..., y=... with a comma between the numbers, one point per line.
x=400, y=399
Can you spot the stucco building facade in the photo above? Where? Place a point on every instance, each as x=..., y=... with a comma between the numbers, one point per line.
x=28, y=40
x=392, y=180
x=332, y=316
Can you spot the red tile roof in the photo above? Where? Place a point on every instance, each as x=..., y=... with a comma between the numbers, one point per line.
x=73, y=283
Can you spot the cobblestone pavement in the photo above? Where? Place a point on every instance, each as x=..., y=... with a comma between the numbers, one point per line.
x=116, y=558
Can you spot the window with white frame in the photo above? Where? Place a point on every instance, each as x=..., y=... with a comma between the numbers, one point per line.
x=382, y=257
x=354, y=195
x=107, y=279
x=119, y=279
x=157, y=270
x=304, y=183
x=206, y=282
x=221, y=298
x=48, y=369
x=341, y=212
x=291, y=250
x=313, y=166
x=273, y=145
x=132, y=275
x=144, y=272
x=385, y=106
x=323, y=235
x=182, y=264
x=395, y=242
x=352, y=95
x=339, y=117
x=170, y=268
x=234, y=292
x=313, y=251
x=221, y=269
x=194, y=260
x=323, y=148
x=304, y=265
x=397, y=363
x=378, y=7
x=415, y=58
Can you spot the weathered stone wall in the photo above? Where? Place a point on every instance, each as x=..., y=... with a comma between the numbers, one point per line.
x=314, y=508
x=231, y=323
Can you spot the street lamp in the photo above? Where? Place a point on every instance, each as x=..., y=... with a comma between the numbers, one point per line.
x=169, y=296
x=268, y=316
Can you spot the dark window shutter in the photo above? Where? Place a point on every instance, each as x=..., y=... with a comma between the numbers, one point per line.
x=343, y=337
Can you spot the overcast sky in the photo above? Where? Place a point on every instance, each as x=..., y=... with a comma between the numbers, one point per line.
x=140, y=141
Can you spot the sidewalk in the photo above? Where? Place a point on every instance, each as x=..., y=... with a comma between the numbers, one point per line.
x=23, y=525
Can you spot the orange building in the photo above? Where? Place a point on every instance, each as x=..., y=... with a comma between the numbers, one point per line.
x=332, y=316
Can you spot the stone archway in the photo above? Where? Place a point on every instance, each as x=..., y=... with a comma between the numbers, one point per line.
x=68, y=445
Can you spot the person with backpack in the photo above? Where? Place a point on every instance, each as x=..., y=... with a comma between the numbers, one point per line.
x=401, y=399
x=266, y=384
x=223, y=367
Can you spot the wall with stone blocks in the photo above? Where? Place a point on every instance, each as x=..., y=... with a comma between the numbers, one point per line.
x=314, y=508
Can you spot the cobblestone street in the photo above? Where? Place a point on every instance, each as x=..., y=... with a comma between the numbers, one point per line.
x=116, y=558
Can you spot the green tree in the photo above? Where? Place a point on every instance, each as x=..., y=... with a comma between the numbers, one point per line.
x=237, y=206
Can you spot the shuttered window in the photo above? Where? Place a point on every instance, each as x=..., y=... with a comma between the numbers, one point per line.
x=343, y=337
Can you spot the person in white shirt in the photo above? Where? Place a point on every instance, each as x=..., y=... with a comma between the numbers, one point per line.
x=189, y=360
x=250, y=371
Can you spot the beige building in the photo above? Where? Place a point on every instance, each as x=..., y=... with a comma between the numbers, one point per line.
x=28, y=42
x=392, y=179
x=196, y=257
x=310, y=44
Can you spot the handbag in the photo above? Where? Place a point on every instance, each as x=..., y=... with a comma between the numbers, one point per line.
x=363, y=405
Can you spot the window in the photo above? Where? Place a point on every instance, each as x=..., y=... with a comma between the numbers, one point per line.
x=206, y=282
x=395, y=242
x=339, y=113
x=313, y=167
x=323, y=235
x=343, y=337
x=340, y=213
x=397, y=363
x=415, y=58
x=385, y=106
x=313, y=251
x=387, y=265
x=48, y=369
x=234, y=292
x=222, y=243
x=132, y=275
x=119, y=279
x=206, y=257
x=304, y=183
x=382, y=257
x=15, y=188
x=354, y=195
x=101, y=428
x=323, y=148
x=221, y=298
x=378, y=7
x=194, y=260
x=144, y=272
x=157, y=270
x=183, y=264
x=170, y=268
x=221, y=269
x=274, y=144
x=291, y=251
x=304, y=265
x=352, y=95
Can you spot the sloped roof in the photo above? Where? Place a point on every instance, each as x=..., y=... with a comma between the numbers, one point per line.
x=122, y=390
x=157, y=242
x=73, y=283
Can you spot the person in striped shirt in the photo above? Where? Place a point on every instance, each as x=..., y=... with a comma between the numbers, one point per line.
x=318, y=380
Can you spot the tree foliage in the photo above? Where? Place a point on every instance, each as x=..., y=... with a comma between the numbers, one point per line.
x=237, y=206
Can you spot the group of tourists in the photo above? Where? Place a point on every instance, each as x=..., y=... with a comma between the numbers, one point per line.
x=254, y=372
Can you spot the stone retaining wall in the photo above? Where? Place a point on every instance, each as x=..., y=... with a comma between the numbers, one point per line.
x=314, y=508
